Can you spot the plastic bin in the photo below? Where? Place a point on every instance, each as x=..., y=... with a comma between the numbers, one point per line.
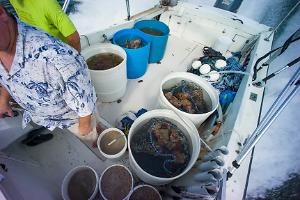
x=76, y=172
x=110, y=84
x=112, y=156
x=136, y=188
x=158, y=43
x=137, y=59
x=175, y=78
x=110, y=168
x=188, y=129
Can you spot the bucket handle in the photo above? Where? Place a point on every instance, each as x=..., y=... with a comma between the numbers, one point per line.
x=87, y=39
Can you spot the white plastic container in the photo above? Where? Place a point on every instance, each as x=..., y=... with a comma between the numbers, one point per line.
x=144, y=185
x=114, y=156
x=100, y=188
x=222, y=44
x=66, y=182
x=190, y=132
x=110, y=84
x=175, y=78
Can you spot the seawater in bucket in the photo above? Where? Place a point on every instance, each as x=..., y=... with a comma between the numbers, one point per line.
x=154, y=176
x=112, y=143
x=210, y=95
x=158, y=33
x=110, y=79
x=161, y=148
x=137, y=58
x=80, y=183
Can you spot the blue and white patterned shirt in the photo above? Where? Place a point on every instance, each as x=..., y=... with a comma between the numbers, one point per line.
x=49, y=79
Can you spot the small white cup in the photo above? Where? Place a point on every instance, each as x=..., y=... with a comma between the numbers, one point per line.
x=113, y=156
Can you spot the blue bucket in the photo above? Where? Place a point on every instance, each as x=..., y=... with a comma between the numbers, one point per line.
x=158, y=42
x=137, y=59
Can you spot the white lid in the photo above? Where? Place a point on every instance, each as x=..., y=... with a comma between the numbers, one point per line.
x=214, y=76
x=204, y=69
x=220, y=64
x=196, y=64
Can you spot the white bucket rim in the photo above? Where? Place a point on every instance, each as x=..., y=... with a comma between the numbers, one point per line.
x=144, y=185
x=104, y=173
x=68, y=177
x=188, y=76
x=117, y=155
x=192, y=126
x=105, y=45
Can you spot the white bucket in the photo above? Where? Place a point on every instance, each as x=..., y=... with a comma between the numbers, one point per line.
x=117, y=155
x=110, y=84
x=190, y=132
x=67, y=179
x=100, y=188
x=175, y=78
x=144, y=185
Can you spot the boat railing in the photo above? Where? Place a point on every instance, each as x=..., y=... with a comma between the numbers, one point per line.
x=66, y=5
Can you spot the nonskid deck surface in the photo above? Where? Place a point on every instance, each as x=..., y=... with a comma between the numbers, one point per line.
x=143, y=92
x=49, y=161
x=44, y=166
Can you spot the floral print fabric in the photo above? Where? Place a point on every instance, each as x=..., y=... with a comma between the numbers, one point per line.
x=49, y=79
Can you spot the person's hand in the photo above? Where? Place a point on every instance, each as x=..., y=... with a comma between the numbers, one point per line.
x=86, y=134
x=85, y=125
x=84, y=129
x=5, y=109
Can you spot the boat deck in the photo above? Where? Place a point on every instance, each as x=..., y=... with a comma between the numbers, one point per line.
x=44, y=166
x=49, y=162
x=143, y=92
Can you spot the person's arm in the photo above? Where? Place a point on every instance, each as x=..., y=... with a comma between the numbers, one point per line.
x=74, y=41
x=4, y=103
x=78, y=91
x=63, y=23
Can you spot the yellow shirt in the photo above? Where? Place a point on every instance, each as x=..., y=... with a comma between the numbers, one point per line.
x=46, y=15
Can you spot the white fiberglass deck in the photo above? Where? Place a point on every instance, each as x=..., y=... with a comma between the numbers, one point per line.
x=143, y=92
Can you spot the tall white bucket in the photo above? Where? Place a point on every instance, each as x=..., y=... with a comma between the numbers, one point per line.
x=82, y=180
x=110, y=84
x=175, y=78
x=187, y=127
